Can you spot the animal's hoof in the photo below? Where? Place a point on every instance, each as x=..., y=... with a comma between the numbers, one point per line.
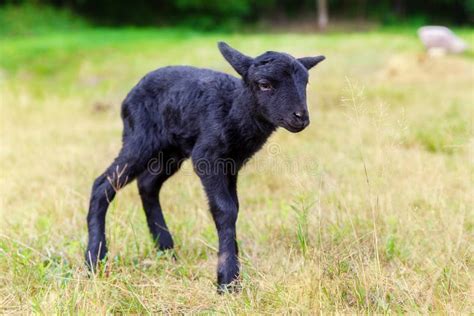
x=165, y=241
x=94, y=257
x=233, y=287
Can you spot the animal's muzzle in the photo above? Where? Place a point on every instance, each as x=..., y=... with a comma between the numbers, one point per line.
x=299, y=120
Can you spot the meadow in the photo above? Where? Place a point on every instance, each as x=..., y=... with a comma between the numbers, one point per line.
x=368, y=210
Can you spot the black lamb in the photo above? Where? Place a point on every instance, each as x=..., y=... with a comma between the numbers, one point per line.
x=219, y=121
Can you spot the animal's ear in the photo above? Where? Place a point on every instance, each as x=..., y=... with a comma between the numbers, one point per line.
x=236, y=59
x=310, y=62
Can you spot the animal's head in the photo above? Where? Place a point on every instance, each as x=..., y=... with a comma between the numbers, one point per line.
x=278, y=81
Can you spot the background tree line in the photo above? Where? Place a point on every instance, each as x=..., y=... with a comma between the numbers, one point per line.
x=219, y=13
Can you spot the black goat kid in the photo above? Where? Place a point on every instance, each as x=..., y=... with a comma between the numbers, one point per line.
x=216, y=119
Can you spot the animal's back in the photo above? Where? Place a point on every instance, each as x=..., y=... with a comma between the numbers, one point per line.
x=174, y=102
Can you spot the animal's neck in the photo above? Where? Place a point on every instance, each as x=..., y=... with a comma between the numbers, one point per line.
x=248, y=128
x=246, y=114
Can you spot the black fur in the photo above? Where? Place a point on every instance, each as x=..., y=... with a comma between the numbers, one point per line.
x=216, y=119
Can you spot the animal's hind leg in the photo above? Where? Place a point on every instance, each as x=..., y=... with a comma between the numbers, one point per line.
x=123, y=170
x=149, y=185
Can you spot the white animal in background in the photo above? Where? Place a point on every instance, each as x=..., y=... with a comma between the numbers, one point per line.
x=439, y=40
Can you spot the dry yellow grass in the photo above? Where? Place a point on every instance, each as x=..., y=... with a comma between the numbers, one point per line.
x=367, y=210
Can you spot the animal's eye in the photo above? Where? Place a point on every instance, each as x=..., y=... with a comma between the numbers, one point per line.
x=264, y=85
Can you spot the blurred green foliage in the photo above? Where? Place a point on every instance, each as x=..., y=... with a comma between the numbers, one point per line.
x=224, y=15
x=30, y=19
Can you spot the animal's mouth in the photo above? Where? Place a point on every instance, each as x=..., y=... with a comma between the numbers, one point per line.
x=294, y=127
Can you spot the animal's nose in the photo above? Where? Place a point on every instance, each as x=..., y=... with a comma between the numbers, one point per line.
x=298, y=115
x=301, y=115
x=301, y=118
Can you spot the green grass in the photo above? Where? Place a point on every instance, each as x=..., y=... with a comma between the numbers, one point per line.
x=368, y=210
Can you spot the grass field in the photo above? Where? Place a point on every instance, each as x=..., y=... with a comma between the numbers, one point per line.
x=367, y=210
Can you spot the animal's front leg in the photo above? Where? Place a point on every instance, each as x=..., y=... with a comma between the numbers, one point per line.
x=224, y=211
